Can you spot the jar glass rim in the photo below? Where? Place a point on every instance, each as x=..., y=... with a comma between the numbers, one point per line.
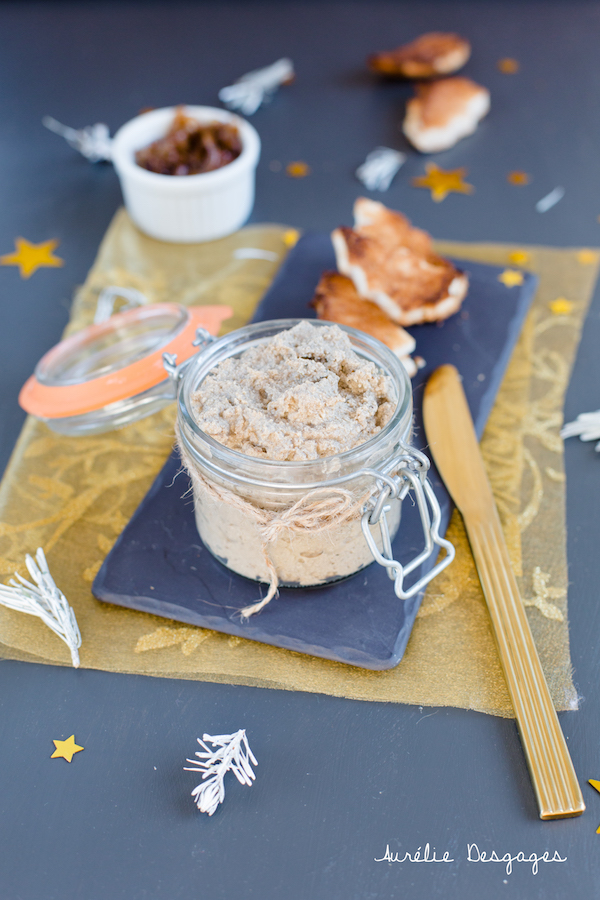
x=236, y=342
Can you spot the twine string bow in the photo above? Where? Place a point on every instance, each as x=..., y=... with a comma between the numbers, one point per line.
x=316, y=511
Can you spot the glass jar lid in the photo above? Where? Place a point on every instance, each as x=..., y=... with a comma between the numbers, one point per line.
x=111, y=373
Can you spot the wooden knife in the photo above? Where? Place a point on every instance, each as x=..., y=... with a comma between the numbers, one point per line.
x=455, y=449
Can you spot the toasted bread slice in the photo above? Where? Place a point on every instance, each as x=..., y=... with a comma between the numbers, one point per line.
x=393, y=264
x=431, y=54
x=336, y=300
x=444, y=112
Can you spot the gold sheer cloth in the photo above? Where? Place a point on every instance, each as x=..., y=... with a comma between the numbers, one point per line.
x=73, y=496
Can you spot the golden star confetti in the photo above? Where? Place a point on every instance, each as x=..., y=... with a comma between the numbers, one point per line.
x=30, y=257
x=560, y=307
x=518, y=178
x=66, y=749
x=519, y=258
x=441, y=182
x=290, y=237
x=595, y=784
x=511, y=278
x=587, y=257
x=297, y=169
x=508, y=66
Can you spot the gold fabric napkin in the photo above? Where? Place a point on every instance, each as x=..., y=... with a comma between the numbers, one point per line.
x=73, y=496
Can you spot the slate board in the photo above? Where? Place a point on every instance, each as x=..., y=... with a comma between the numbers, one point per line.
x=159, y=565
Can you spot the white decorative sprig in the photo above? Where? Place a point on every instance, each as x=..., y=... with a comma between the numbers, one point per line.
x=44, y=600
x=231, y=752
x=93, y=141
x=379, y=168
x=257, y=87
x=586, y=425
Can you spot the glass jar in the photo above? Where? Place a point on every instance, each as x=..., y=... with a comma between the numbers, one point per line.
x=112, y=373
x=310, y=522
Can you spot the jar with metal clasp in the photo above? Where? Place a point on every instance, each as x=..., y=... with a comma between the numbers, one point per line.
x=315, y=521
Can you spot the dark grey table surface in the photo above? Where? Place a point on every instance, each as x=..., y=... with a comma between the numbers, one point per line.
x=337, y=780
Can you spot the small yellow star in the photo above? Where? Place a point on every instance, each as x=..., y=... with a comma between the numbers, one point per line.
x=441, y=182
x=290, y=237
x=511, y=278
x=518, y=178
x=560, y=307
x=508, y=66
x=66, y=749
x=297, y=169
x=587, y=257
x=29, y=257
x=595, y=784
x=519, y=258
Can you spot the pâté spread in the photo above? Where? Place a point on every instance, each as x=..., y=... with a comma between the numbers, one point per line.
x=303, y=395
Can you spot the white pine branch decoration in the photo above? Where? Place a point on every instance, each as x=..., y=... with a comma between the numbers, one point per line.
x=379, y=168
x=586, y=425
x=93, y=141
x=257, y=87
x=44, y=600
x=231, y=752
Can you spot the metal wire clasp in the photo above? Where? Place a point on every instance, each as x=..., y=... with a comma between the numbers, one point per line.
x=405, y=472
x=175, y=372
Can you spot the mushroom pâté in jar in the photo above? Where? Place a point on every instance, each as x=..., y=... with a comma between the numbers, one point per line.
x=276, y=422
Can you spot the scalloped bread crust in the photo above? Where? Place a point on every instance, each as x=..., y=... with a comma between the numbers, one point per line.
x=393, y=264
x=337, y=300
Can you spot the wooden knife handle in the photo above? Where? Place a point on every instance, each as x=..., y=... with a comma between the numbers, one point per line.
x=550, y=766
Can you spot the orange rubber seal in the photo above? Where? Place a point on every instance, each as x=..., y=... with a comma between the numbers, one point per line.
x=58, y=401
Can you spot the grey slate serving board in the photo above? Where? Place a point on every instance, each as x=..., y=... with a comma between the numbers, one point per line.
x=159, y=564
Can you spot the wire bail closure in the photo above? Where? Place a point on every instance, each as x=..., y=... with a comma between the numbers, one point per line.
x=405, y=472
x=169, y=360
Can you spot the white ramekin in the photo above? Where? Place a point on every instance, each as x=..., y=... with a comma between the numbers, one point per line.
x=186, y=208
